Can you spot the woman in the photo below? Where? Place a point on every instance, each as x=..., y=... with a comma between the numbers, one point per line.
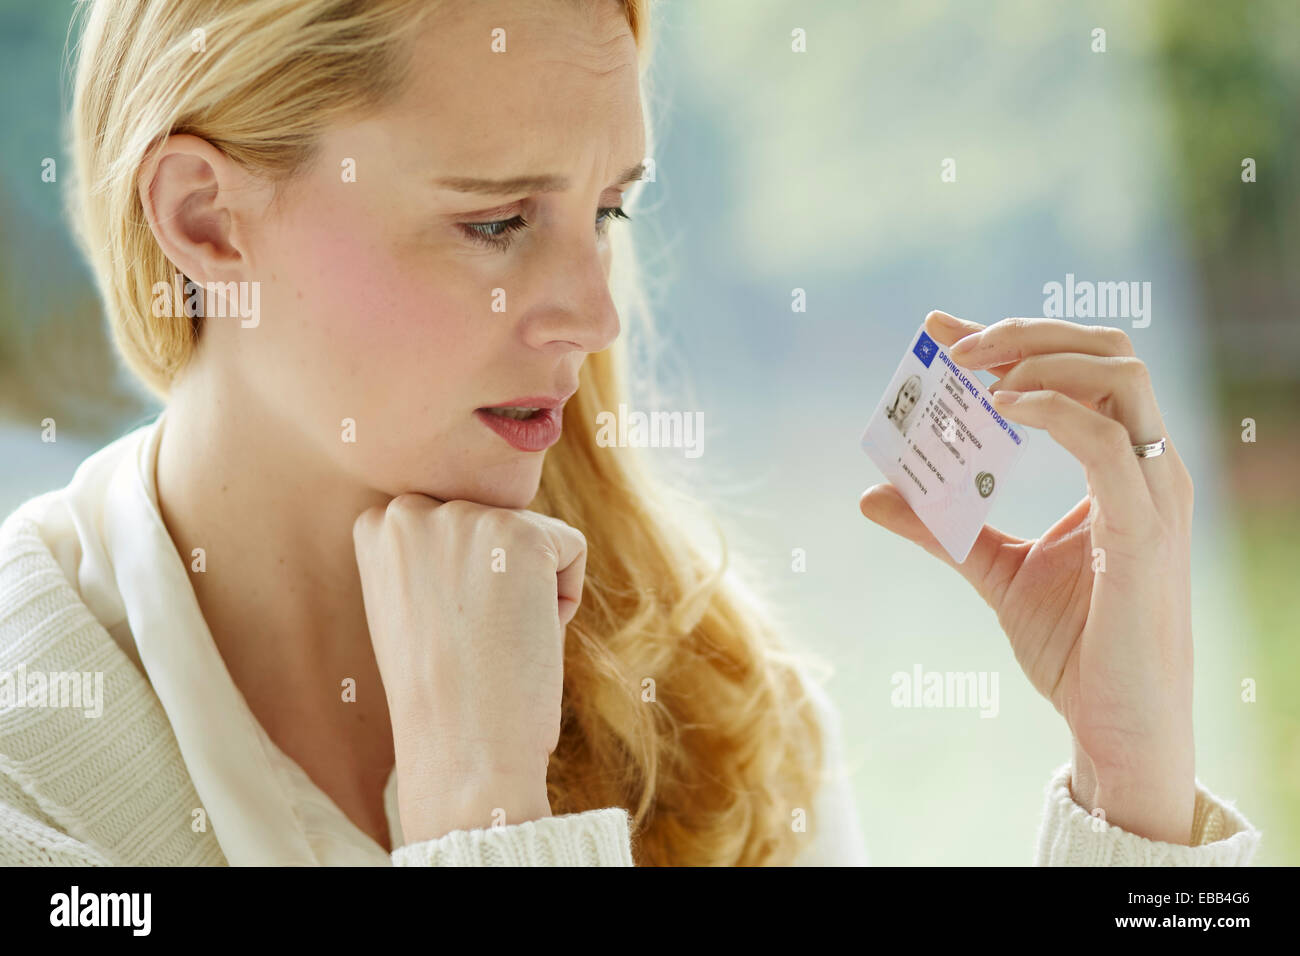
x=909, y=393
x=355, y=594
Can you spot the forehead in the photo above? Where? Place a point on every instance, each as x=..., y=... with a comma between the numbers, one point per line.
x=566, y=79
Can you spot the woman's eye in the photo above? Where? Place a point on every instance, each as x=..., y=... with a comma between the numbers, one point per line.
x=498, y=234
x=606, y=213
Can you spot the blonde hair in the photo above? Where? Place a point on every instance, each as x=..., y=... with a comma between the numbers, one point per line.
x=715, y=763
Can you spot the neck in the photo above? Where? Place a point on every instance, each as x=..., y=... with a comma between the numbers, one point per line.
x=274, y=518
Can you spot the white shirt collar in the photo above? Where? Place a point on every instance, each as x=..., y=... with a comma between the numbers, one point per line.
x=116, y=549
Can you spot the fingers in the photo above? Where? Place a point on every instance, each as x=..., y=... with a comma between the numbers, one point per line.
x=887, y=507
x=1095, y=366
x=1118, y=386
x=947, y=329
x=1101, y=444
x=1014, y=339
x=999, y=346
x=367, y=525
x=569, y=547
x=568, y=585
x=1093, y=370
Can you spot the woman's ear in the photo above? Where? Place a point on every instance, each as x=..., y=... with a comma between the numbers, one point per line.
x=194, y=199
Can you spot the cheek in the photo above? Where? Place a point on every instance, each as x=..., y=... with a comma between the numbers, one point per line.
x=387, y=320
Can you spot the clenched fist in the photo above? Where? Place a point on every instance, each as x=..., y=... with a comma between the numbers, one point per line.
x=467, y=607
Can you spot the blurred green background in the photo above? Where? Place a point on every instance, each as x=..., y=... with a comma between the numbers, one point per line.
x=820, y=170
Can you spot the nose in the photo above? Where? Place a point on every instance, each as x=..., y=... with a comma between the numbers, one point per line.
x=575, y=309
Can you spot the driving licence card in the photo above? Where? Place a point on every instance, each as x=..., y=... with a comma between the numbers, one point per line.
x=939, y=440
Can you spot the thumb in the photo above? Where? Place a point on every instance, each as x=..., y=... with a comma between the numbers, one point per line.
x=886, y=506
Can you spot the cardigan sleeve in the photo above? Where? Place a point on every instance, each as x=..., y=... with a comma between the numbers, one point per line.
x=28, y=842
x=27, y=838
x=601, y=837
x=1070, y=836
x=592, y=838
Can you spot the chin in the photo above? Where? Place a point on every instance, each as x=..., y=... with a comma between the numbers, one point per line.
x=507, y=498
x=508, y=488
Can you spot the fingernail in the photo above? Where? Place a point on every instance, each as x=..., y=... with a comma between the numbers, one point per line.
x=1006, y=396
x=968, y=344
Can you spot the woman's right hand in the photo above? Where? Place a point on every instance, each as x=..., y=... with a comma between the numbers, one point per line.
x=467, y=607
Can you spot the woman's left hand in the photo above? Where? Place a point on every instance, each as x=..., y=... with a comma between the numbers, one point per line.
x=1098, y=608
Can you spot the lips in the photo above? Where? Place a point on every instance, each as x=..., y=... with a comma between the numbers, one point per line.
x=532, y=423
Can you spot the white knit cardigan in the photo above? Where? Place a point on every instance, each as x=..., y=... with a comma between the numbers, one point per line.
x=115, y=790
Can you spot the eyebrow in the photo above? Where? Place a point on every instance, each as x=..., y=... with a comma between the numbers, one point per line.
x=525, y=184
